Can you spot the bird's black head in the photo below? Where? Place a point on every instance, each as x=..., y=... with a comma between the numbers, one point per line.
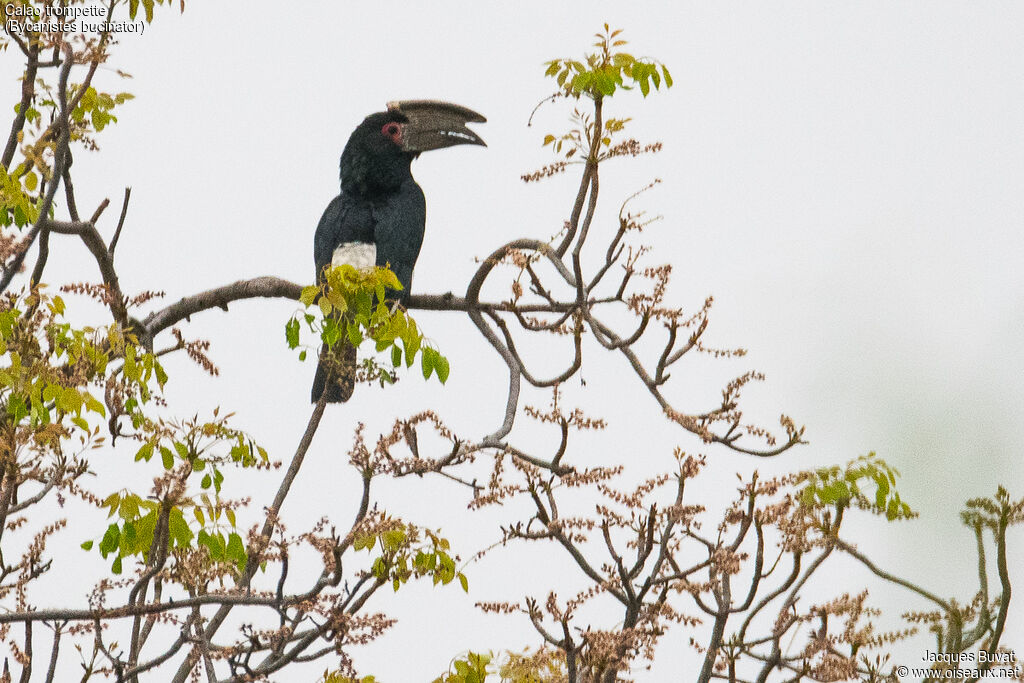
x=381, y=148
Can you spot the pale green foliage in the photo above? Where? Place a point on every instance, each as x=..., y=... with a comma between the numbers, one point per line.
x=543, y=666
x=469, y=669
x=353, y=307
x=193, y=450
x=47, y=368
x=97, y=106
x=17, y=206
x=50, y=374
x=132, y=532
x=601, y=73
x=843, y=487
x=407, y=552
x=598, y=76
x=337, y=677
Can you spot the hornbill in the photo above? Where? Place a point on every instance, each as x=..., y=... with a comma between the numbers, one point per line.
x=378, y=219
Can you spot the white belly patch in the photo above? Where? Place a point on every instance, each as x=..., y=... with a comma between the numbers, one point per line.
x=360, y=255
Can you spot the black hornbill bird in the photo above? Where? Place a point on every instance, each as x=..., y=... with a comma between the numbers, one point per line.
x=379, y=217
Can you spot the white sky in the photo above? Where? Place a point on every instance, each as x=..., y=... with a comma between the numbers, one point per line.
x=844, y=178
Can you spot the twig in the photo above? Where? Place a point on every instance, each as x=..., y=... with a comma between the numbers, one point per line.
x=120, y=220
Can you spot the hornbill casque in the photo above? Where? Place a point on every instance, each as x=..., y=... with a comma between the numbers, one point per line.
x=379, y=217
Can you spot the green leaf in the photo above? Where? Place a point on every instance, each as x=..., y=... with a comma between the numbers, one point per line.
x=17, y=409
x=291, y=333
x=667, y=75
x=441, y=367
x=392, y=539
x=427, y=362
x=178, y=528
x=51, y=392
x=167, y=457
x=464, y=582
x=355, y=337
x=582, y=81
x=129, y=507
x=364, y=542
x=235, y=550
x=161, y=375
x=622, y=59
x=308, y=295
x=95, y=406
x=87, y=545
x=116, y=567
x=128, y=538
x=110, y=540
x=412, y=343
x=389, y=279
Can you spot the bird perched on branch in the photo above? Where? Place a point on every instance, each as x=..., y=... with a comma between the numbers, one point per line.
x=379, y=217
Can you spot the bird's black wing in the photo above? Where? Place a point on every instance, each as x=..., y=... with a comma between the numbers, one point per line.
x=398, y=231
x=344, y=220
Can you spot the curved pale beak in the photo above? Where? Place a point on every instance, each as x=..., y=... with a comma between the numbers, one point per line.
x=434, y=125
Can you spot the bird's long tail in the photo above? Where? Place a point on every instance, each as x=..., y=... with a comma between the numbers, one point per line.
x=336, y=376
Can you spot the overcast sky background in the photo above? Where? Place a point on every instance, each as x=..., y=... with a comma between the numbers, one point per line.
x=844, y=178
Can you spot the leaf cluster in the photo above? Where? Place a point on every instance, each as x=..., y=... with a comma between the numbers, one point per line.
x=17, y=206
x=132, y=533
x=599, y=74
x=50, y=369
x=354, y=306
x=408, y=552
x=189, y=449
x=198, y=446
x=97, y=107
x=840, y=487
x=338, y=677
x=543, y=666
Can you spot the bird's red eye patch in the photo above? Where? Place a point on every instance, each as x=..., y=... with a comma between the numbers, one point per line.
x=393, y=132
